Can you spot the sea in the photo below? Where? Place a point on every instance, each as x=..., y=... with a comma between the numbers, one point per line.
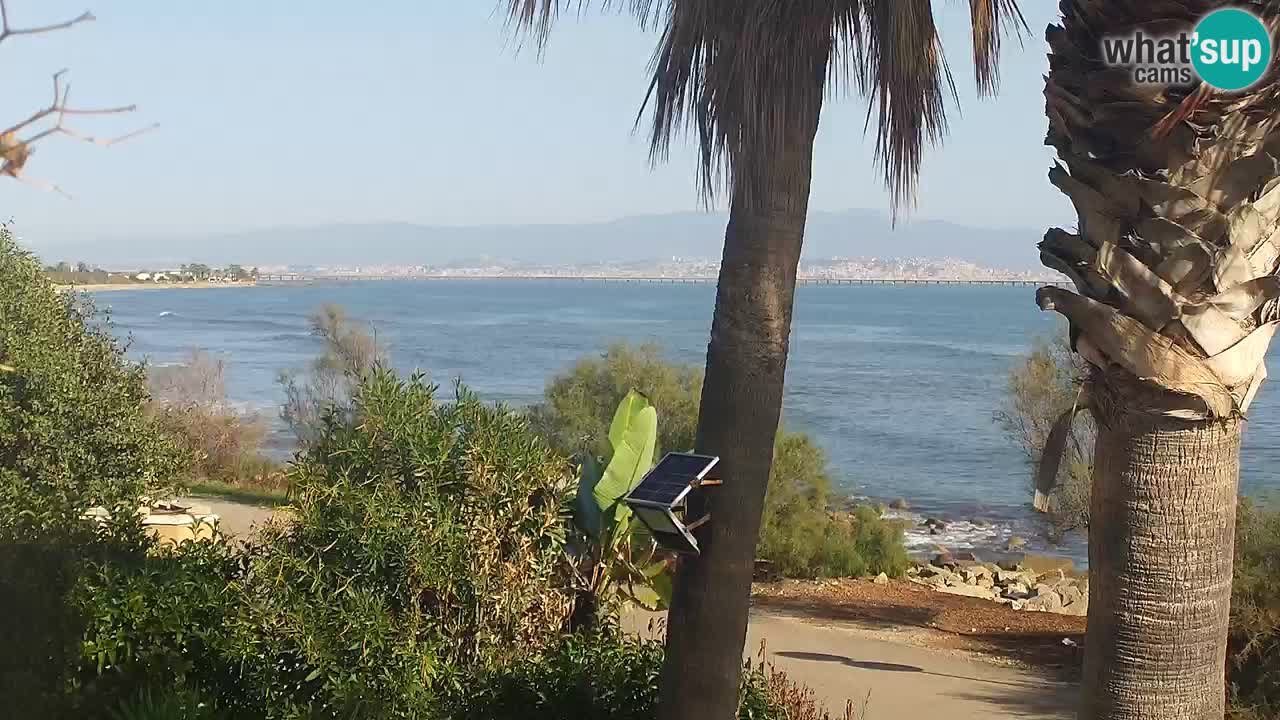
x=898, y=384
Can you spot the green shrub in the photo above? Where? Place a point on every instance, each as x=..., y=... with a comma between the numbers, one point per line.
x=426, y=542
x=798, y=534
x=578, y=405
x=74, y=433
x=1254, y=669
x=155, y=621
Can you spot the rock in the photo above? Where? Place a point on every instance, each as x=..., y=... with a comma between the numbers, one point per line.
x=913, y=570
x=1018, y=604
x=935, y=524
x=944, y=560
x=932, y=570
x=965, y=557
x=1048, y=601
x=979, y=522
x=1017, y=591
x=935, y=581
x=1079, y=608
x=1009, y=565
x=1069, y=593
x=1015, y=543
x=881, y=579
x=900, y=504
x=1008, y=576
x=985, y=581
x=968, y=591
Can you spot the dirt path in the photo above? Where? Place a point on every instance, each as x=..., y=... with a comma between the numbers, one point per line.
x=234, y=518
x=894, y=677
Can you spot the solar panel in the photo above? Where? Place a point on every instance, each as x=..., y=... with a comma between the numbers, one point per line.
x=685, y=464
x=671, y=479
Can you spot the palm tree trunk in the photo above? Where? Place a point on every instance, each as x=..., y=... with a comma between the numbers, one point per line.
x=1160, y=555
x=738, y=420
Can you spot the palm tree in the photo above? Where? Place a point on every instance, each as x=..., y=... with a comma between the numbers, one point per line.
x=749, y=77
x=1178, y=196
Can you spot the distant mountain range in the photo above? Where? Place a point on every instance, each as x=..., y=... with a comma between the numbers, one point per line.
x=853, y=233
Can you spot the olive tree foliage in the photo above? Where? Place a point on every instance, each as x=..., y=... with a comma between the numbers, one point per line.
x=349, y=353
x=74, y=430
x=1041, y=388
x=798, y=534
x=18, y=140
x=578, y=406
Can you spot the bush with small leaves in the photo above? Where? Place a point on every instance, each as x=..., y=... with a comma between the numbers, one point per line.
x=426, y=541
x=74, y=433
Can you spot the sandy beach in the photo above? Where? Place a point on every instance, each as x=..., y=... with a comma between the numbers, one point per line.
x=106, y=287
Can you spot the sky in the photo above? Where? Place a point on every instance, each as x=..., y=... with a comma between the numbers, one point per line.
x=278, y=113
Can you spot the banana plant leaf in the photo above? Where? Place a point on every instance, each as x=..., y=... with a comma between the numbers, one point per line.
x=634, y=437
x=586, y=512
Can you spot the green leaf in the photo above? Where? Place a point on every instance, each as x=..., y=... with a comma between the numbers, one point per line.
x=634, y=437
x=646, y=597
x=313, y=675
x=663, y=586
x=587, y=515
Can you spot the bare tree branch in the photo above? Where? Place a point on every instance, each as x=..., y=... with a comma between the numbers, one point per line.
x=16, y=151
x=7, y=31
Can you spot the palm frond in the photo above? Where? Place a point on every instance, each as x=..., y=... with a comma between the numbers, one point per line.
x=991, y=21
x=748, y=78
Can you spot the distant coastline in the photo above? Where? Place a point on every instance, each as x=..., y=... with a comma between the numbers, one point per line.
x=108, y=287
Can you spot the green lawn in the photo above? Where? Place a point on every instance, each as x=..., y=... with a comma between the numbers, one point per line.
x=248, y=496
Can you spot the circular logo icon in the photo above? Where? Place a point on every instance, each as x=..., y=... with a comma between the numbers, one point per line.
x=1231, y=49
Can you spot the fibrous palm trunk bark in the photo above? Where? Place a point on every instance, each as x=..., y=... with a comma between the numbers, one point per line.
x=1162, y=525
x=1178, y=195
x=738, y=420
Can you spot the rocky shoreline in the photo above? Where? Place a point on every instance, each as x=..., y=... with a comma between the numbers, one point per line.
x=1018, y=585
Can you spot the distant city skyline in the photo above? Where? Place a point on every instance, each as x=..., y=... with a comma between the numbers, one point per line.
x=275, y=115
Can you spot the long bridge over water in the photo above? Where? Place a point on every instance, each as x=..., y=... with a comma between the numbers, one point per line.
x=303, y=277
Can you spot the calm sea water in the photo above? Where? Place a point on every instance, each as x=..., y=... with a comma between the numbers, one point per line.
x=898, y=384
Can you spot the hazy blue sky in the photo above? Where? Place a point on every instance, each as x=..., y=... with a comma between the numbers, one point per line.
x=276, y=113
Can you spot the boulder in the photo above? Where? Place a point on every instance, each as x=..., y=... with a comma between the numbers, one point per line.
x=944, y=560
x=1015, y=543
x=1079, y=608
x=1009, y=565
x=935, y=581
x=932, y=570
x=1004, y=577
x=935, y=524
x=881, y=579
x=1048, y=601
x=1016, y=591
x=968, y=591
x=985, y=581
x=900, y=504
x=1069, y=593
